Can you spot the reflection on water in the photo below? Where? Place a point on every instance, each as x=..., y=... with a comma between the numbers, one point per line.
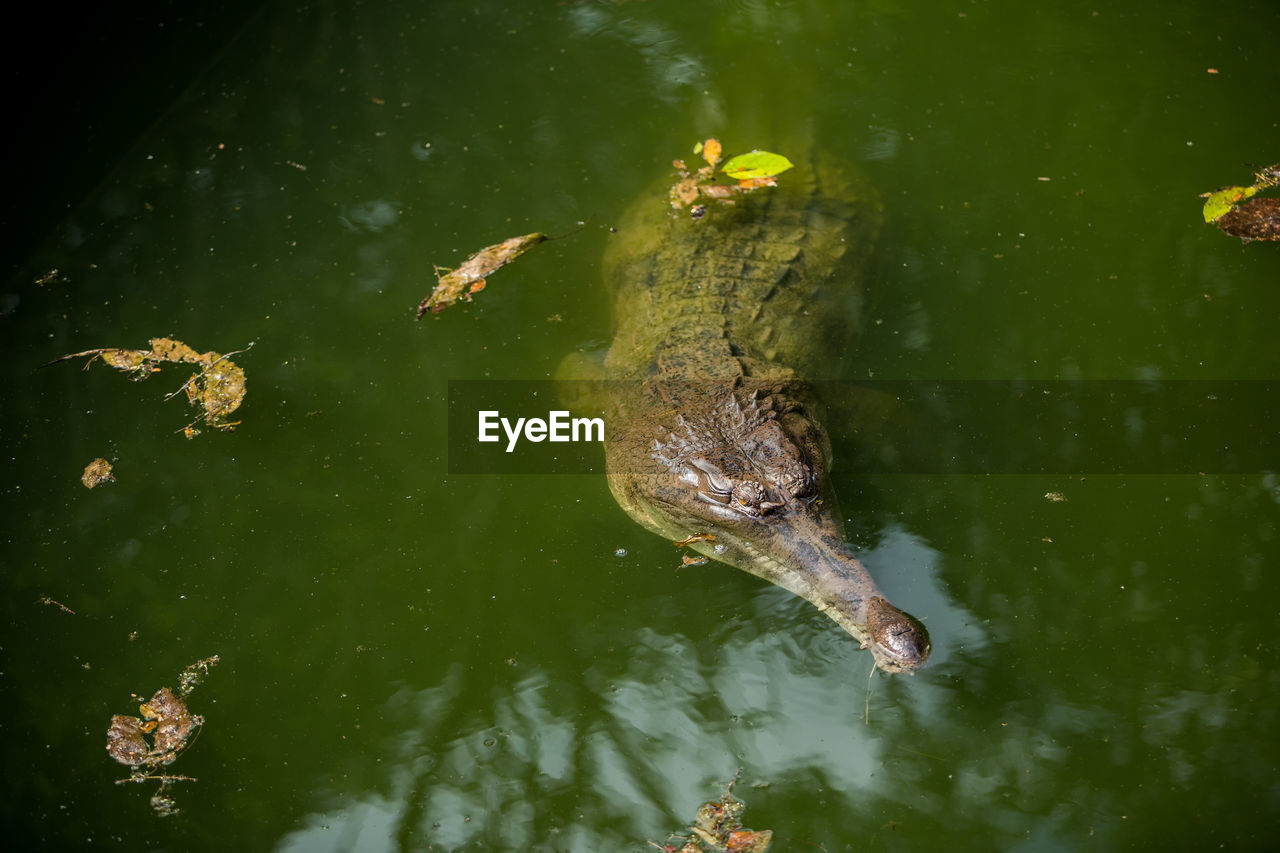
x=776, y=692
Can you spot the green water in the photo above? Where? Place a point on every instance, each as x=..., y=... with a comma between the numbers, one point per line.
x=412, y=661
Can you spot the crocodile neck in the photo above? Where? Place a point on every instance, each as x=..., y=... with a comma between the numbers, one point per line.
x=748, y=290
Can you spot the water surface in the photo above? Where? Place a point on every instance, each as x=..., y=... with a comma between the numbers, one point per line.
x=416, y=661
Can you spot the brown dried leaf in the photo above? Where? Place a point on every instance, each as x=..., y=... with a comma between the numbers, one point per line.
x=162, y=704
x=125, y=742
x=96, y=473
x=684, y=192
x=1258, y=219
x=172, y=734
x=697, y=537
x=171, y=727
x=460, y=283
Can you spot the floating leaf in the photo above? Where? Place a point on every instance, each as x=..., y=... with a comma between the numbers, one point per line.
x=711, y=151
x=125, y=742
x=756, y=164
x=96, y=473
x=469, y=277
x=1221, y=201
x=1254, y=220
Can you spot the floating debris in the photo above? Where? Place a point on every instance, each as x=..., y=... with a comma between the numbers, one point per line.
x=170, y=727
x=1258, y=219
x=718, y=829
x=44, y=599
x=217, y=389
x=471, y=276
x=53, y=276
x=96, y=473
x=686, y=560
x=752, y=170
x=1055, y=497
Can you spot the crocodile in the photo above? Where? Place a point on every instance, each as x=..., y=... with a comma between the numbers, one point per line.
x=713, y=425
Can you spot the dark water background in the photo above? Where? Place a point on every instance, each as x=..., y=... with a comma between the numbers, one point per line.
x=413, y=661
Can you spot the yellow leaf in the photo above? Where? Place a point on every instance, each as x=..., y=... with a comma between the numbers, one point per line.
x=1221, y=201
x=756, y=164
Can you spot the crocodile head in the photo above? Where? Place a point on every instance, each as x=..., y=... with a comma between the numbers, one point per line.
x=752, y=470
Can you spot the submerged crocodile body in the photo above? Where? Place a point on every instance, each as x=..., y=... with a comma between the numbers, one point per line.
x=712, y=427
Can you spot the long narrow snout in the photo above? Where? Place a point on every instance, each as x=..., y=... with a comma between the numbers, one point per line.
x=805, y=553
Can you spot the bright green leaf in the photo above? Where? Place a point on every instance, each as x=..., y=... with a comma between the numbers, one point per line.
x=756, y=164
x=1224, y=199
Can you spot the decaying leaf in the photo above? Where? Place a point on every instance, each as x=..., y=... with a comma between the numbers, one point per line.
x=217, y=389
x=751, y=171
x=718, y=828
x=125, y=742
x=469, y=277
x=686, y=560
x=697, y=537
x=96, y=473
x=156, y=738
x=1254, y=220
